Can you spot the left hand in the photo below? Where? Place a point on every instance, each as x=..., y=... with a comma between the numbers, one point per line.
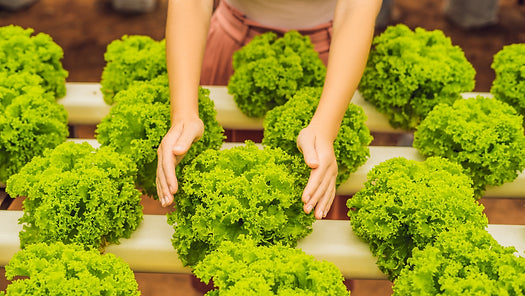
x=318, y=152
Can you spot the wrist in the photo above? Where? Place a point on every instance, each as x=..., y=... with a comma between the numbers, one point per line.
x=322, y=129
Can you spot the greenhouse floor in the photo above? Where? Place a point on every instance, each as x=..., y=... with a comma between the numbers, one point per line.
x=83, y=28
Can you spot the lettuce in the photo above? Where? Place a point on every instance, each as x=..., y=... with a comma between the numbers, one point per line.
x=483, y=135
x=406, y=204
x=243, y=268
x=21, y=51
x=59, y=269
x=409, y=72
x=463, y=261
x=77, y=194
x=509, y=84
x=283, y=124
x=139, y=120
x=239, y=191
x=269, y=70
x=129, y=59
x=31, y=121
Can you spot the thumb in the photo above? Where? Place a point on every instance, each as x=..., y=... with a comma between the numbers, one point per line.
x=185, y=140
x=306, y=144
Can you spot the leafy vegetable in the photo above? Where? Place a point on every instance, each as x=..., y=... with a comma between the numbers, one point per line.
x=283, y=124
x=406, y=204
x=240, y=191
x=59, y=269
x=509, y=84
x=484, y=135
x=76, y=194
x=37, y=54
x=129, y=59
x=463, y=261
x=243, y=268
x=140, y=118
x=31, y=121
x=409, y=72
x=269, y=70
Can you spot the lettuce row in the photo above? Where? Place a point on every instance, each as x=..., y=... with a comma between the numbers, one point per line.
x=239, y=191
x=243, y=268
x=509, y=84
x=129, y=59
x=140, y=118
x=77, y=194
x=409, y=72
x=60, y=269
x=463, y=261
x=21, y=51
x=283, y=124
x=406, y=204
x=31, y=121
x=269, y=70
x=483, y=135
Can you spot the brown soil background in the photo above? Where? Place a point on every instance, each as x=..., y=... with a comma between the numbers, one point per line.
x=84, y=28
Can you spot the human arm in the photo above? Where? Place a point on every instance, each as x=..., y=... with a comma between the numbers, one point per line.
x=353, y=28
x=186, y=32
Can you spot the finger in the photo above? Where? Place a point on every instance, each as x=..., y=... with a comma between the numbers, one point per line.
x=314, y=181
x=317, y=187
x=323, y=206
x=183, y=143
x=167, y=187
x=306, y=144
x=163, y=190
x=167, y=162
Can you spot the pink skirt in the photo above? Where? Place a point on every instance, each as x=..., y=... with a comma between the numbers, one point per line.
x=230, y=30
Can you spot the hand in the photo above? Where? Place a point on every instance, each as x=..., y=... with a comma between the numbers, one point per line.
x=319, y=155
x=172, y=149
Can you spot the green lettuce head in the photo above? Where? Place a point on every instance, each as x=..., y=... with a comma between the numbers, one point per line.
x=241, y=191
x=409, y=72
x=406, y=204
x=269, y=70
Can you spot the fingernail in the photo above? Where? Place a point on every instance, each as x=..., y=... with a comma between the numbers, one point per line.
x=325, y=213
x=309, y=208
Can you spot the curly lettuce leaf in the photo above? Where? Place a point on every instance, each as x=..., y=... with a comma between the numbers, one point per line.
x=239, y=191
x=406, y=204
x=463, y=261
x=140, y=118
x=408, y=72
x=77, y=194
x=129, y=59
x=61, y=269
x=269, y=70
x=21, y=51
x=483, y=135
x=243, y=268
x=31, y=122
x=509, y=83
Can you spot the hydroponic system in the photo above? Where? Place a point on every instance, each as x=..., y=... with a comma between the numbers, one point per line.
x=414, y=214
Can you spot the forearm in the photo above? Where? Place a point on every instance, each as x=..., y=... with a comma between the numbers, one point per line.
x=353, y=30
x=186, y=32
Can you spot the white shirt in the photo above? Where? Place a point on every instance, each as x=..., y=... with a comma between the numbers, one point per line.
x=287, y=14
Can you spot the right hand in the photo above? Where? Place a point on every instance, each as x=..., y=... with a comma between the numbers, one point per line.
x=172, y=149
